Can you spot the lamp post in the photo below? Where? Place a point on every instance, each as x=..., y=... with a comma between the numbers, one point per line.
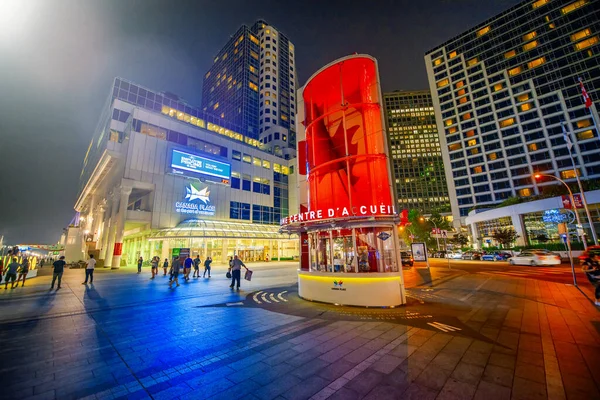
x=537, y=176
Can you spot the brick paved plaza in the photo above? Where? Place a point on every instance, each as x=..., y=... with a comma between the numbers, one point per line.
x=465, y=335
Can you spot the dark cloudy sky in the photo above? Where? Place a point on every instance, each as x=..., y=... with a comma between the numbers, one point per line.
x=58, y=59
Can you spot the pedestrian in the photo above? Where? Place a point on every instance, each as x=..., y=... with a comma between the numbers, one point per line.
x=207, y=266
x=591, y=267
x=187, y=267
x=230, y=262
x=89, y=270
x=165, y=266
x=154, y=264
x=174, y=272
x=140, y=262
x=23, y=271
x=236, y=271
x=197, y=266
x=1, y=269
x=59, y=267
x=42, y=264
x=11, y=273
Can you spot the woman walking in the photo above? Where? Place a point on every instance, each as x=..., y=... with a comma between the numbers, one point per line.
x=24, y=271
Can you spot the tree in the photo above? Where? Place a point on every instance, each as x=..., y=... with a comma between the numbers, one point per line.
x=505, y=236
x=460, y=240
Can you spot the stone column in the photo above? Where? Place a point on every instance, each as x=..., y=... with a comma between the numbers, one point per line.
x=110, y=241
x=474, y=236
x=517, y=222
x=89, y=218
x=98, y=220
x=120, y=226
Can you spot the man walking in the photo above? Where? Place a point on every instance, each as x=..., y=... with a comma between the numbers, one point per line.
x=207, y=266
x=236, y=271
x=197, y=266
x=187, y=267
x=59, y=267
x=11, y=274
x=175, y=272
x=89, y=271
x=154, y=264
x=140, y=262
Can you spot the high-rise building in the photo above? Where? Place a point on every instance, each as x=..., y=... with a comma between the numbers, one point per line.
x=416, y=158
x=252, y=84
x=501, y=91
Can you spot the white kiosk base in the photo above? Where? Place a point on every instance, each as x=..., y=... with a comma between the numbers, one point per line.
x=352, y=289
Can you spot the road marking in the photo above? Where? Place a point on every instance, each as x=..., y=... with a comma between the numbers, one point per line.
x=476, y=290
x=272, y=296
x=264, y=298
x=444, y=327
x=280, y=295
x=239, y=303
x=255, y=297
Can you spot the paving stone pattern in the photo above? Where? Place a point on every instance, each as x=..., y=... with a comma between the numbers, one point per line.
x=130, y=338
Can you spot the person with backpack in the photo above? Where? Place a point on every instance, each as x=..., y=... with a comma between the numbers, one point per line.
x=207, y=266
x=591, y=267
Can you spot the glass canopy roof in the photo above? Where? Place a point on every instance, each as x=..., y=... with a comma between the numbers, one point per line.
x=198, y=228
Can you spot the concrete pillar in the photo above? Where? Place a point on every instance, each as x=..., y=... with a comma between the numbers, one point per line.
x=519, y=226
x=120, y=226
x=111, y=232
x=165, y=251
x=109, y=219
x=98, y=223
x=224, y=258
x=474, y=236
x=89, y=218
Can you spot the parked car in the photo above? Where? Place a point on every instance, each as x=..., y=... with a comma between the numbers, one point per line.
x=454, y=255
x=471, y=255
x=439, y=254
x=591, y=251
x=492, y=257
x=407, y=258
x=528, y=257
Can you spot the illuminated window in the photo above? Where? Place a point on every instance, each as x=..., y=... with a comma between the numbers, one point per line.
x=462, y=100
x=483, y=31
x=573, y=6
x=222, y=115
x=452, y=55
x=514, y=71
x=449, y=122
x=532, y=147
x=474, y=150
x=285, y=170
x=581, y=34
x=472, y=61
x=207, y=74
x=530, y=45
x=477, y=170
x=257, y=161
x=454, y=146
x=492, y=156
x=525, y=192
x=266, y=164
x=498, y=86
x=510, y=54
x=254, y=40
x=268, y=94
x=570, y=174
x=252, y=69
x=471, y=142
x=526, y=106
x=254, y=55
x=584, y=44
x=216, y=106
x=267, y=102
x=540, y=3
x=460, y=84
x=584, y=123
x=437, y=62
x=443, y=83
x=523, y=97
x=507, y=122
x=470, y=133
x=461, y=92
x=536, y=63
x=284, y=118
x=467, y=116
x=276, y=167
x=529, y=36
x=253, y=86
x=452, y=130
x=589, y=134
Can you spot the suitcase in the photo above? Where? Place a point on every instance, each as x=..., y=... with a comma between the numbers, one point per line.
x=248, y=275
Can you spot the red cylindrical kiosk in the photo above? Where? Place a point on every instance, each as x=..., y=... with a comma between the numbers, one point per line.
x=347, y=218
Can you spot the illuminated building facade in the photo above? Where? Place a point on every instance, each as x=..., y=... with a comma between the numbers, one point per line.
x=252, y=84
x=501, y=91
x=160, y=175
x=417, y=165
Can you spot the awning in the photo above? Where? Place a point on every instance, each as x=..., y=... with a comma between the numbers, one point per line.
x=198, y=228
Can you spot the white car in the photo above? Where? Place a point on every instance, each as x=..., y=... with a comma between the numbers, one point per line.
x=454, y=256
x=535, y=258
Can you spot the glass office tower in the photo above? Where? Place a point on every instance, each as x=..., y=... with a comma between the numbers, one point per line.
x=415, y=154
x=501, y=91
x=252, y=83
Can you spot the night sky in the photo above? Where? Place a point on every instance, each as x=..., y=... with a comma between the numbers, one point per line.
x=58, y=59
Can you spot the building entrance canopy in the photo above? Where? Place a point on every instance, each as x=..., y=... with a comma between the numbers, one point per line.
x=199, y=228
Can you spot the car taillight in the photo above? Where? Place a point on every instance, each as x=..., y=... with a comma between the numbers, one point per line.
x=556, y=257
x=542, y=257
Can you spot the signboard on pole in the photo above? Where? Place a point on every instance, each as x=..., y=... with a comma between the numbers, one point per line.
x=419, y=251
x=566, y=201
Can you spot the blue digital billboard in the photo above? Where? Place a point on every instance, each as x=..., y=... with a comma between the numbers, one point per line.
x=190, y=162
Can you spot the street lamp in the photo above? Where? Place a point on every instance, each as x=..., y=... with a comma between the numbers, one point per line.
x=538, y=176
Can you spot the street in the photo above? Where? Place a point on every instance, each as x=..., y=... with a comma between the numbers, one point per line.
x=482, y=330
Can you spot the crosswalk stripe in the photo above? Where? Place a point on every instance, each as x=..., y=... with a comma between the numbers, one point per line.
x=444, y=327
